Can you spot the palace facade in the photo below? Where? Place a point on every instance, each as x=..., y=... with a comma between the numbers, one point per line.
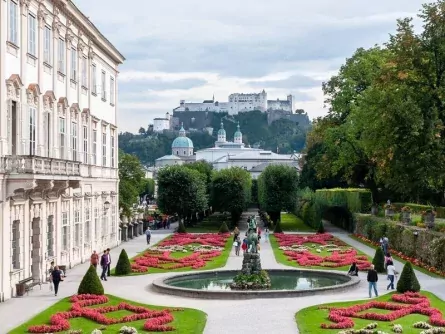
x=58, y=140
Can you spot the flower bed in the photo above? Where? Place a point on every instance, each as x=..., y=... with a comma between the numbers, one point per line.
x=400, y=306
x=156, y=321
x=172, y=253
x=393, y=252
x=320, y=250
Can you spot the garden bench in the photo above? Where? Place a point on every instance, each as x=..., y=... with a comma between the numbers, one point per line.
x=27, y=284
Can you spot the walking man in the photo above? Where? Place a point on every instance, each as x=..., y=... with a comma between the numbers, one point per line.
x=104, y=265
x=373, y=278
x=109, y=262
x=94, y=260
x=148, y=235
x=56, y=276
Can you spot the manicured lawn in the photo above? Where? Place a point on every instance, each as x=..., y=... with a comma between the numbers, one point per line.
x=291, y=223
x=426, y=272
x=284, y=259
x=214, y=263
x=310, y=319
x=187, y=321
x=209, y=224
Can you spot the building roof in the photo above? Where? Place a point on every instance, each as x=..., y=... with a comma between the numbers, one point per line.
x=261, y=167
x=262, y=155
x=160, y=119
x=182, y=142
x=168, y=157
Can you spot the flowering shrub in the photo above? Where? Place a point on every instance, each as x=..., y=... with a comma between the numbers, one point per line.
x=156, y=320
x=405, y=304
x=414, y=261
x=397, y=329
x=341, y=254
x=211, y=246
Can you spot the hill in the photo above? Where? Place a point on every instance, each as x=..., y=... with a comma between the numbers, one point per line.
x=285, y=134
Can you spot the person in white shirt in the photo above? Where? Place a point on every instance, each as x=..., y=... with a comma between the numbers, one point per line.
x=391, y=270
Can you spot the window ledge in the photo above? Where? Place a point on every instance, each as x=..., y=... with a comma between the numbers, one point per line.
x=104, y=100
x=94, y=93
x=73, y=81
x=12, y=48
x=46, y=64
x=112, y=104
x=16, y=271
x=61, y=73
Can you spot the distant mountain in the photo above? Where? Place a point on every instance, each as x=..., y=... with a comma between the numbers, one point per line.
x=288, y=133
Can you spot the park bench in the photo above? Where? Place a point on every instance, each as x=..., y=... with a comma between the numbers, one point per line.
x=27, y=284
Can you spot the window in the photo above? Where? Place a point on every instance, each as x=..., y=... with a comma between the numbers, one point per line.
x=50, y=237
x=32, y=131
x=77, y=227
x=15, y=238
x=87, y=220
x=112, y=90
x=13, y=22
x=47, y=128
x=104, y=149
x=104, y=95
x=74, y=140
x=32, y=35
x=96, y=223
x=62, y=134
x=93, y=156
x=113, y=219
x=104, y=223
x=84, y=72
x=94, y=79
x=112, y=152
x=85, y=144
x=65, y=229
x=74, y=64
x=61, y=60
x=47, y=45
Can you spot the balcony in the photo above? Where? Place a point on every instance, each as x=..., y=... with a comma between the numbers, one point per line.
x=38, y=165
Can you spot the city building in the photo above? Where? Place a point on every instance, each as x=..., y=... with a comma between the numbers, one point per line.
x=225, y=154
x=161, y=124
x=58, y=140
x=239, y=103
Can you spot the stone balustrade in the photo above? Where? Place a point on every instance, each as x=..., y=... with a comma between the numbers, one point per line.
x=38, y=165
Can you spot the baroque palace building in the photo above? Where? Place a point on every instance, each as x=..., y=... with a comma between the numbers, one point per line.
x=58, y=140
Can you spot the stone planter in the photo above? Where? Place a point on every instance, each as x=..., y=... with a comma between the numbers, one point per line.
x=374, y=210
x=429, y=219
x=405, y=217
x=389, y=213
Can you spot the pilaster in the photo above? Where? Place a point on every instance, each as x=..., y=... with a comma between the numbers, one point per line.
x=41, y=129
x=24, y=5
x=3, y=104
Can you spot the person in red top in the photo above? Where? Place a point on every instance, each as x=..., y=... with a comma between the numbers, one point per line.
x=259, y=234
x=94, y=260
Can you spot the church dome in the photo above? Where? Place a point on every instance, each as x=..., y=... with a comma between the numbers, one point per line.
x=182, y=141
x=238, y=133
x=221, y=131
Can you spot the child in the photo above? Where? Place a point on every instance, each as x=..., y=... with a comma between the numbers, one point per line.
x=244, y=246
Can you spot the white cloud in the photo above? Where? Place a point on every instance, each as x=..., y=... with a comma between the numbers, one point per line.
x=192, y=49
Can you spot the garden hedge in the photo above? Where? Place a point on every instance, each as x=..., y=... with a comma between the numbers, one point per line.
x=419, y=208
x=427, y=246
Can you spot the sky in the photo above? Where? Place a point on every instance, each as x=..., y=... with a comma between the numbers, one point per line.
x=194, y=49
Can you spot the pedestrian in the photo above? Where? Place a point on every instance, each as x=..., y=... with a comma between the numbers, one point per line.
x=50, y=278
x=56, y=277
x=385, y=245
x=353, y=270
x=388, y=258
x=235, y=233
x=148, y=235
x=168, y=223
x=109, y=262
x=237, y=244
x=373, y=278
x=392, y=273
x=266, y=235
x=244, y=246
x=104, y=265
x=259, y=235
x=94, y=260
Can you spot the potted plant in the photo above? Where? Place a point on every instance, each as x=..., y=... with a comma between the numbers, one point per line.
x=428, y=217
x=389, y=210
x=374, y=209
x=405, y=215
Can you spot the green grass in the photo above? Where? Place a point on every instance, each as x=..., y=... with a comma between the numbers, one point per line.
x=210, y=224
x=395, y=257
x=291, y=223
x=283, y=259
x=215, y=263
x=189, y=321
x=310, y=319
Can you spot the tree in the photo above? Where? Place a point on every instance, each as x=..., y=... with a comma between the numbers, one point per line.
x=90, y=283
x=379, y=260
x=147, y=188
x=231, y=191
x=224, y=228
x=131, y=175
x=206, y=169
x=181, y=191
x=278, y=228
x=277, y=190
x=123, y=266
x=408, y=280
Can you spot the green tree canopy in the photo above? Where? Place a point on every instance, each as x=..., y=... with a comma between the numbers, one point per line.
x=181, y=191
x=277, y=190
x=131, y=177
x=231, y=191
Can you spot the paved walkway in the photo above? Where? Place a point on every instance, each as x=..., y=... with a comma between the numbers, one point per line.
x=265, y=316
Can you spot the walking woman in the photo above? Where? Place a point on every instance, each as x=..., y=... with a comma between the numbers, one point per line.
x=56, y=277
x=392, y=272
x=235, y=233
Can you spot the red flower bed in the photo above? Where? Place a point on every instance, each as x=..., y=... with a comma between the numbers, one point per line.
x=164, y=260
x=406, y=304
x=414, y=261
x=156, y=320
x=307, y=258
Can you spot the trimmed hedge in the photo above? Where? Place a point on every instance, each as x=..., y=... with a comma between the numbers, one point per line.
x=408, y=280
x=123, y=266
x=427, y=247
x=419, y=208
x=91, y=283
x=355, y=199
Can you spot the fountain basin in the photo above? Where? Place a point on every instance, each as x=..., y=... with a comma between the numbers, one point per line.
x=285, y=283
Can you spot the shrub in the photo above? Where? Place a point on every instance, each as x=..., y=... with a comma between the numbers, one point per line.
x=408, y=280
x=278, y=228
x=181, y=227
x=91, y=283
x=379, y=260
x=321, y=228
x=123, y=266
x=224, y=228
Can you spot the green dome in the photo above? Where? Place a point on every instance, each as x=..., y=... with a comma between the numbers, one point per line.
x=221, y=131
x=182, y=142
x=238, y=133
